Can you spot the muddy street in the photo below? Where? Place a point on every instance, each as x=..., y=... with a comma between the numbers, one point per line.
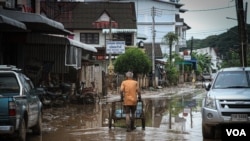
x=78, y=122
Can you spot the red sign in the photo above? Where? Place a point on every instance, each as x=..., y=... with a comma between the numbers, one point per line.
x=100, y=57
x=28, y=9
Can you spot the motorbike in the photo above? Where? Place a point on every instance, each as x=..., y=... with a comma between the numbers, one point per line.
x=86, y=95
x=55, y=96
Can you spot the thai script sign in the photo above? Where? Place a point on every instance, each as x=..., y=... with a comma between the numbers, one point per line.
x=115, y=47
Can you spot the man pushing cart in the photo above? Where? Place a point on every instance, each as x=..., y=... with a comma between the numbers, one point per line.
x=130, y=94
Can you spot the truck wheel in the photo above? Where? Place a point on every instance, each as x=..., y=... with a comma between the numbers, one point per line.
x=37, y=130
x=208, y=132
x=22, y=131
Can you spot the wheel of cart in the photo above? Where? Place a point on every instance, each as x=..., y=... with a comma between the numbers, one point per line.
x=116, y=113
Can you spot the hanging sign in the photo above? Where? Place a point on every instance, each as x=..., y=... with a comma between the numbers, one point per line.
x=115, y=47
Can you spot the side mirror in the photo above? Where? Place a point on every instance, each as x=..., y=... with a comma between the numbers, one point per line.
x=207, y=86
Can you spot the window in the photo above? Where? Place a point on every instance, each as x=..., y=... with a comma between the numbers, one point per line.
x=127, y=37
x=73, y=56
x=8, y=84
x=234, y=79
x=89, y=38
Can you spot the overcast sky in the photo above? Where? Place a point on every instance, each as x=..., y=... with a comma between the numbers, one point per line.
x=208, y=17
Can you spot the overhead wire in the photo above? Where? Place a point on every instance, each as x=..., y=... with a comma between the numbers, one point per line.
x=208, y=10
x=198, y=10
x=208, y=31
x=213, y=9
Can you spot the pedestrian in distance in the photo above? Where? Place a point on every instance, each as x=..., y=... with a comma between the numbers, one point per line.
x=130, y=93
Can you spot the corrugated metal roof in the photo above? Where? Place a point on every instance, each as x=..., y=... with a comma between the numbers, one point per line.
x=8, y=24
x=82, y=45
x=58, y=40
x=36, y=22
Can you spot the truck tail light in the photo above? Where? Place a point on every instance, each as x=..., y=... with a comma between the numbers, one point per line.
x=12, y=109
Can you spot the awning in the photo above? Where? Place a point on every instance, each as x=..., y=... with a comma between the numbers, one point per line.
x=119, y=30
x=192, y=62
x=74, y=53
x=82, y=45
x=184, y=63
x=36, y=22
x=57, y=40
x=10, y=25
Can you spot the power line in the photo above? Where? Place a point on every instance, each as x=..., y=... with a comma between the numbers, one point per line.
x=147, y=11
x=201, y=32
x=206, y=34
x=213, y=9
x=208, y=31
x=197, y=10
x=167, y=9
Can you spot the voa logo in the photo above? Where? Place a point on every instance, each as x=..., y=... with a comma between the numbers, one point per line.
x=236, y=132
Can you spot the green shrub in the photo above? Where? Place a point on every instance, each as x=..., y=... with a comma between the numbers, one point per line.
x=172, y=74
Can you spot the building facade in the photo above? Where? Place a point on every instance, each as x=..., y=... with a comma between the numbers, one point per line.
x=161, y=15
x=39, y=45
x=96, y=23
x=215, y=60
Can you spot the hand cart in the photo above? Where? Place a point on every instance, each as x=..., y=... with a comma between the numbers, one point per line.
x=116, y=113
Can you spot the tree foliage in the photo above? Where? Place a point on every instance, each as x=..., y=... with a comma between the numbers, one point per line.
x=172, y=71
x=170, y=38
x=233, y=59
x=172, y=74
x=134, y=60
x=225, y=45
x=204, y=62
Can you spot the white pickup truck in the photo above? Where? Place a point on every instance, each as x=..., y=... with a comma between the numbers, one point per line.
x=227, y=101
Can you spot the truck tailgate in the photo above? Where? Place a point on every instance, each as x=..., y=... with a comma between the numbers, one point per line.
x=4, y=106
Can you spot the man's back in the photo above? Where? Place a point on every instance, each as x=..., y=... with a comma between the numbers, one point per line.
x=130, y=88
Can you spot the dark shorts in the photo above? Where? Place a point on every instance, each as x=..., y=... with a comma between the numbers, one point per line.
x=129, y=108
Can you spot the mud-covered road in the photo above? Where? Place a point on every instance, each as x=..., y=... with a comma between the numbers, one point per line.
x=77, y=122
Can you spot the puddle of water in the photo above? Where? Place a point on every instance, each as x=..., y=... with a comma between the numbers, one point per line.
x=91, y=122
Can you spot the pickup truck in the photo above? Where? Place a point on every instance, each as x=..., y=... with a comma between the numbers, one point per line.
x=20, y=106
x=227, y=101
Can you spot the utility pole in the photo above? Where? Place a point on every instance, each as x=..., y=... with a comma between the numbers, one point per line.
x=191, y=48
x=242, y=29
x=246, y=33
x=153, y=45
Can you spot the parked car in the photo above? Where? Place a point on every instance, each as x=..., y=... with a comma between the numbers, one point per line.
x=227, y=100
x=19, y=104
